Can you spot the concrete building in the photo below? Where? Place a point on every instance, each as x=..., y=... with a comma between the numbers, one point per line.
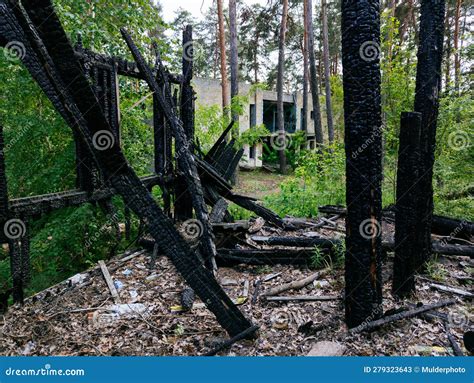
x=261, y=109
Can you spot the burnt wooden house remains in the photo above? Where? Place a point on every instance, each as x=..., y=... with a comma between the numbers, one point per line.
x=83, y=87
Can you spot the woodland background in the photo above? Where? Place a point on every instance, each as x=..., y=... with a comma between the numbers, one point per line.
x=39, y=148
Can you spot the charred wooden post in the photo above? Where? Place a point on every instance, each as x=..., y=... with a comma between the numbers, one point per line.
x=404, y=266
x=48, y=46
x=362, y=111
x=185, y=158
x=428, y=86
x=183, y=204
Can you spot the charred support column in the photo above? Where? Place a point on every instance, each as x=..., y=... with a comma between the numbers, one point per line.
x=362, y=111
x=404, y=266
x=183, y=204
x=428, y=85
x=52, y=49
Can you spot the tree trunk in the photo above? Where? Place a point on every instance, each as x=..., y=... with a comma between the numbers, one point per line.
x=327, y=76
x=304, y=126
x=363, y=122
x=234, y=57
x=318, y=130
x=225, y=88
x=428, y=85
x=404, y=265
x=282, y=139
x=447, y=28
x=457, y=59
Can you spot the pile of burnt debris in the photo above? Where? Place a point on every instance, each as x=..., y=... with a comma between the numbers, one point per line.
x=195, y=229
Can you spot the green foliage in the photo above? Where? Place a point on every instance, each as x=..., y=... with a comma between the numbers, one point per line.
x=39, y=147
x=318, y=180
x=293, y=149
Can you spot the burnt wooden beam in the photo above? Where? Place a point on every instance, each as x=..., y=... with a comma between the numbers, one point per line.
x=419, y=310
x=363, y=124
x=404, y=266
x=89, y=120
x=37, y=205
x=428, y=86
x=441, y=225
x=124, y=67
x=183, y=205
x=296, y=241
x=184, y=156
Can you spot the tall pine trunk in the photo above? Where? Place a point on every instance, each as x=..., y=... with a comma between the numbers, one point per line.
x=327, y=75
x=282, y=139
x=225, y=88
x=305, y=69
x=457, y=60
x=234, y=57
x=318, y=130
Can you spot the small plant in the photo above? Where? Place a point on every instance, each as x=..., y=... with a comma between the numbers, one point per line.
x=263, y=269
x=435, y=271
x=319, y=260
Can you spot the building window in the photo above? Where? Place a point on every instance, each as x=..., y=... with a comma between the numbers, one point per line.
x=312, y=114
x=253, y=115
x=252, y=152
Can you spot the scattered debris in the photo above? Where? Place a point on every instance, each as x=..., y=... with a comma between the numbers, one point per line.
x=327, y=349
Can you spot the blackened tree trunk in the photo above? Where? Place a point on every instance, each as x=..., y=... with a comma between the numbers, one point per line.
x=234, y=56
x=362, y=112
x=404, y=266
x=318, y=130
x=282, y=139
x=223, y=55
x=428, y=85
x=327, y=75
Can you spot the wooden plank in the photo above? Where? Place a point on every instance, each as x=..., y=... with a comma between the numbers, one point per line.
x=110, y=282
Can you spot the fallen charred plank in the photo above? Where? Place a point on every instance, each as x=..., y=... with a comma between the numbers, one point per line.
x=248, y=333
x=399, y=316
x=442, y=225
x=439, y=247
x=324, y=243
x=231, y=257
x=51, y=48
x=262, y=211
x=303, y=298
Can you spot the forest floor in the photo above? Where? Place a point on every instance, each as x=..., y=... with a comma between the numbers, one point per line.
x=258, y=183
x=78, y=316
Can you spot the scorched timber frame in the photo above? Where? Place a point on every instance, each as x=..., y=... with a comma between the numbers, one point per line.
x=82, y=86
